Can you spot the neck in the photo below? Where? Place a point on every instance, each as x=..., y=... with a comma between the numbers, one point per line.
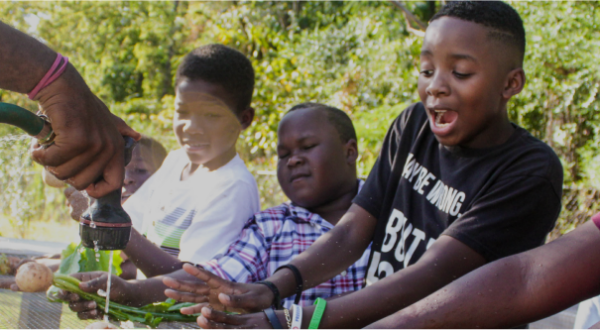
x=211, y=165
x=335, y=209
x=495, y=135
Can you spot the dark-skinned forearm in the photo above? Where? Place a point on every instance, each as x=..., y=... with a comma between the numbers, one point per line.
x=514, y=290
x=23, y=60
x=147, y=291
x=148, y=257
x=331, y=254
x=403, y=288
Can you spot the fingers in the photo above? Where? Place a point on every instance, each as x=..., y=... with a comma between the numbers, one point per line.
x=14, y=287
x=94, y=314
x=112, y=177
x=95, y=284
x=211, y=319
x=196, y=309
x=187, y=286
x=83, y=306
x=186, y=296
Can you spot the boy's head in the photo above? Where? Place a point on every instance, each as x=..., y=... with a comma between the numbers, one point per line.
x=317, y=154
x=214, y=86
x=146, y=158
x=471, y=65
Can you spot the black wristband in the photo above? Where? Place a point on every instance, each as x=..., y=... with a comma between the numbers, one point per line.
x=276, y=296
x=299, y=281
x=272, y=317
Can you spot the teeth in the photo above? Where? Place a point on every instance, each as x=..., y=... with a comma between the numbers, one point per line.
x=438, y=118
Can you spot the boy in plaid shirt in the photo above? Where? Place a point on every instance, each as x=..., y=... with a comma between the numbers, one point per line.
x=317, y=170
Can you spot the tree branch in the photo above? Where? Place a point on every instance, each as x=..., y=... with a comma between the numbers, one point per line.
x=410, y=17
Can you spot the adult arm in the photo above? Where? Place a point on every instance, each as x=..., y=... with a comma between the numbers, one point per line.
x=515, y=290
x=88, y=141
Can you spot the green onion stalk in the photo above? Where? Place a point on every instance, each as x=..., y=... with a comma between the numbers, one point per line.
x=150, y=315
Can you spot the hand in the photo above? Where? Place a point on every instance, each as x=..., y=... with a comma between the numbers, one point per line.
x=77, y=202
x=187, y=291
x=212, y=319
x=120, y=292
x=227, y=295
x=89, y=139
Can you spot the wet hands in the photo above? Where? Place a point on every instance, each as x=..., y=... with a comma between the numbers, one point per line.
x=89, y=139
x=212, y=319
x=218, y=293
x=121, y=292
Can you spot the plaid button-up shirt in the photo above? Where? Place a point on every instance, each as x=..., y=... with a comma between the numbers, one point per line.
x=272, y=238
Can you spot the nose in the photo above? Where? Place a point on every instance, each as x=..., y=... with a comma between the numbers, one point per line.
x=295, y=160
x=194, y=125
x=438, y=85
x=128, y=178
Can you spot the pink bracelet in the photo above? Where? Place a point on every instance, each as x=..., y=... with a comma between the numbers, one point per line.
x=51, y=75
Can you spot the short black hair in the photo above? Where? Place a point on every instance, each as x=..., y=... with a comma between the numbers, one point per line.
x=222, y=65
x=501, y=18
x=336, y=117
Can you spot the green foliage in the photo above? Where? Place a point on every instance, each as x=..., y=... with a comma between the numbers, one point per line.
x=151, y=315
x=76, y=258
x=357, y=56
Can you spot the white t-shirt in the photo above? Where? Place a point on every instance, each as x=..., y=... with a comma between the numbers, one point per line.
x=195, y=218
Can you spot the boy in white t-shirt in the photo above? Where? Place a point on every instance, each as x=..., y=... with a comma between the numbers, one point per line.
x=199, y=200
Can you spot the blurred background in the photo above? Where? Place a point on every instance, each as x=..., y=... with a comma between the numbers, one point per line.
x=359, y=56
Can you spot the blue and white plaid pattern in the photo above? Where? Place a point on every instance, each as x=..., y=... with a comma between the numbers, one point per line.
x=272, y=238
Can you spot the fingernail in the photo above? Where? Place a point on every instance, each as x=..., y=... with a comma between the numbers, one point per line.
x=94, y=312
x=91, y=304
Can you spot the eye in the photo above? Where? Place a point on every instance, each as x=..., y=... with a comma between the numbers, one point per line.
x=308, y=147
x=461, y=75
x=212, y=115
x=282, y=156
x=141, y=170
x=426, y=73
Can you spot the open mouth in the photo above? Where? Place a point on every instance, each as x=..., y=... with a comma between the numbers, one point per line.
x=443, y=119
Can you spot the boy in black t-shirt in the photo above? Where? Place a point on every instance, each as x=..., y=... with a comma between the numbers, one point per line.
x=456, y=184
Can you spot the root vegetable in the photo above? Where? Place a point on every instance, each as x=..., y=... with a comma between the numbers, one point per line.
x=101, y=325
x=51, y=180
x=33, y=277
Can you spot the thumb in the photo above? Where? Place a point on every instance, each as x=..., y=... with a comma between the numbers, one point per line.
x=94, y=285
x=125, y=130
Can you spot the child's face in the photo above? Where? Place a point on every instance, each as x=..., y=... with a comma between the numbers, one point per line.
x=136, y=173
x=461, y=82
x=205, y=126
x=314, y=164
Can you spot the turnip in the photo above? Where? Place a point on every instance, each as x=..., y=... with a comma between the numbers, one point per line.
x=101, y=325
x=33, y=277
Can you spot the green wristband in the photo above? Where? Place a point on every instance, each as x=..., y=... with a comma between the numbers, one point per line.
x=318, y=313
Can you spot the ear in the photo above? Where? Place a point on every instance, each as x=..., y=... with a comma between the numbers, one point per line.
x=351, y=152
x=246, y=117
x=515, y=81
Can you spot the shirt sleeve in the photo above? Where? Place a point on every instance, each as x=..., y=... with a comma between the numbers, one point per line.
x=371, y=196
x=218, y=221
x=513, y=216
x=245, y=259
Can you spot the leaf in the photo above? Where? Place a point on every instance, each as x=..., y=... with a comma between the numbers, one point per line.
x=179, y=306
x=70, y=260
x=159, y=307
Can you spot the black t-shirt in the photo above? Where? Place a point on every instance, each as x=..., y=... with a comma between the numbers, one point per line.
x=498, y=201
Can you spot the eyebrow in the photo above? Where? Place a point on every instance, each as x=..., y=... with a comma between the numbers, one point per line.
x=453, y=56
